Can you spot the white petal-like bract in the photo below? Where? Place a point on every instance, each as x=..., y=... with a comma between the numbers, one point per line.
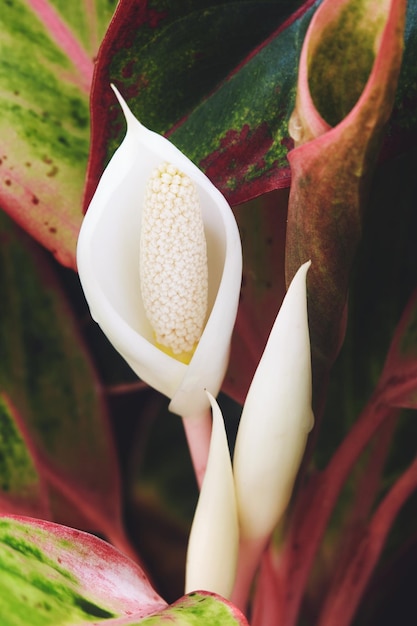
x=108, y=256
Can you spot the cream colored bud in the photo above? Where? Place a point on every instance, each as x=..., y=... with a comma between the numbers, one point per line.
x=276, y=418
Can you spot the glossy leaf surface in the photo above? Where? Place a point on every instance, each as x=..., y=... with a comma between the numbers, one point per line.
x=55, y=575
x=226, y=106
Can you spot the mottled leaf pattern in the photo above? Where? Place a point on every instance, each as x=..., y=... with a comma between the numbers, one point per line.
x=49, y=381
x=46, y=66
x=52, y=575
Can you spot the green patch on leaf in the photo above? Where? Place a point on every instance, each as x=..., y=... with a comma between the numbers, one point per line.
x=196, y=609
x=35, y=590
x=47, y=374
x=18, y=474
x=46, y=66
x=340, y=64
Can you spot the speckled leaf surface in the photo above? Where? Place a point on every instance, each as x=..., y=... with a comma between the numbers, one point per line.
x=52, y=575
x=210, y=75
x=225, y=105
x=49, y=380
x=46, y=64
x=198, y=608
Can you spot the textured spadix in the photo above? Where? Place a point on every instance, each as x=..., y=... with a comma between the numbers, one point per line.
x=214, y=538
x=276, y=418
x=108, y=257
x=173, y=261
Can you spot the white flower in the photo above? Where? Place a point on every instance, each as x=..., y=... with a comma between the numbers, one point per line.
x=276, y=419
x=108, y=264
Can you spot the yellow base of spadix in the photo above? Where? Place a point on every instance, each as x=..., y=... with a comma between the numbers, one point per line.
x=183, y=357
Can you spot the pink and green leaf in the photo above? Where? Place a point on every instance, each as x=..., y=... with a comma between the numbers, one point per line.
x=46, y=68
x=55, y=575
x=51, y=386
x=262, y=226
x=226, y=106
x=52, y=575
x=22, y=488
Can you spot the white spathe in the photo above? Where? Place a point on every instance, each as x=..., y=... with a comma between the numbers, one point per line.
x=108, y=257
x=276, y=418
x=214, y=538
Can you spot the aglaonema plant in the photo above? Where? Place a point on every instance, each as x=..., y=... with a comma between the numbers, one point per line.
x=289, y=560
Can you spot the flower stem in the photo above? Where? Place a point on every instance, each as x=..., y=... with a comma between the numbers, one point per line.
x=250, y=553
x=198, y=433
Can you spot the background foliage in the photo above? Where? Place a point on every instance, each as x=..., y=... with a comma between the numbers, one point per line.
x=82, y=441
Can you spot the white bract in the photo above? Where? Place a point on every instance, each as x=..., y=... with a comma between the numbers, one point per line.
x=108, y=263
x=276, y=418
x=271, y=439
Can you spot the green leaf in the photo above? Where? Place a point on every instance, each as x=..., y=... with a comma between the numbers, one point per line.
x=49, y=380
x=46, y=67
x=198, y=608
x=219, y=78
x=21, y=486
x=52, y=575
x=58, y=576
x=227, y=104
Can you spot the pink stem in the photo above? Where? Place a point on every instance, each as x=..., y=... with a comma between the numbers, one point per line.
x=341, y=607
x=198, y=433
x=250, y=554
x=307, y=530
x=267, y=600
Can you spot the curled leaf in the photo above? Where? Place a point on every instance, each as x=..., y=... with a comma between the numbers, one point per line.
x=341, y=111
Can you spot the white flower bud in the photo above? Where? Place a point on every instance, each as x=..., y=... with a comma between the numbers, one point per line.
x=276, y=418
x=214, y=538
